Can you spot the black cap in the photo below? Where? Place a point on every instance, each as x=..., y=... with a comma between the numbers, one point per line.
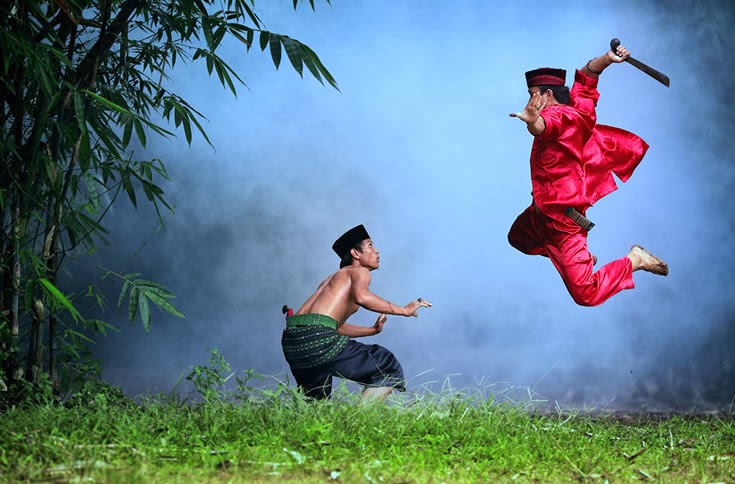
x=349, y=239
x=546, y=76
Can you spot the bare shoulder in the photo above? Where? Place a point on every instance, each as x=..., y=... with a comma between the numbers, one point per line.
x=342, y=276
x=326, y=281
x=358, y=274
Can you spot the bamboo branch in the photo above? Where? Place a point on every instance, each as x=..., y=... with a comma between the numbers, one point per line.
x=88, y=66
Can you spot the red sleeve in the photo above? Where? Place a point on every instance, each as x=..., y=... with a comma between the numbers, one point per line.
x=553, y=123
x=583, y=100
x=584, y=96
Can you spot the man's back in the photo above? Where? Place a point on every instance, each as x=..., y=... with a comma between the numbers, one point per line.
x=333, y=297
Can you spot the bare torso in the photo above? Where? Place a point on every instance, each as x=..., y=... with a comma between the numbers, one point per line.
x=334, y=296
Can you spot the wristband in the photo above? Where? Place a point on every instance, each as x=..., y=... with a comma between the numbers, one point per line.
x=591, y=69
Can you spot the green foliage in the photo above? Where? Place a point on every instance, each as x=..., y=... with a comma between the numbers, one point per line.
x=210, y=382
x=208, y=379
x=57, y=297
x=82, y=83
x=139, y=293
x=426, y=438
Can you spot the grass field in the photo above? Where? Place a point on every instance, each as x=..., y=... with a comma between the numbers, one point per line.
x=278, y=436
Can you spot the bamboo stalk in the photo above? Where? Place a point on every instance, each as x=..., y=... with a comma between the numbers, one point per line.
x=15, y=290
x=35, y=353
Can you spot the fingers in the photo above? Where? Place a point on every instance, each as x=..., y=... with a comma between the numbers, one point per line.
x=539, y=102
x=535, y=104
x=621, y=53
x=423, y=303
x=533, y=108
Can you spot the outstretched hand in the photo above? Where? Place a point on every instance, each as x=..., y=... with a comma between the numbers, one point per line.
x=532, y=111
x=413, y=306
x=382, y=318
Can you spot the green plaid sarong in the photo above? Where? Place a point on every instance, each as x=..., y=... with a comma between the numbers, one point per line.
x=311, y=340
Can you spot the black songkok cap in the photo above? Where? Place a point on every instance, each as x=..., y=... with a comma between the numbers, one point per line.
x=349, y=239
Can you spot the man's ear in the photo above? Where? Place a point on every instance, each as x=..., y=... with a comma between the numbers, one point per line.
x=355, y=253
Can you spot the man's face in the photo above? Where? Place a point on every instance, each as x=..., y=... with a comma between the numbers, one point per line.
x=368, y=255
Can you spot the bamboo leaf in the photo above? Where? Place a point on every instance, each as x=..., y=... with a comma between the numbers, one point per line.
x=251, y=14
x=123, y=292
x=264, y=36
x=201, y=130
x=275, y=44
x=200, y=5
x=225, y=78
x=127, y=132
x=238, y=30
x=187, y=129
x=145, y=313
x=207, y=28
x=218, y=35
x=157, y=129
x=85, y=151
x=147, y=189
x=313, y=69
x=128, y=186
x=152, y=288
x=79, y=111
x=133, y=304
x=239, y=37
x=139, y=131
x=165, y=305
x=77, y=334
x=106, y=102
x=294, y=53
x=99, y=326
x=60, y=298
x=218, y=68
x=310, y=54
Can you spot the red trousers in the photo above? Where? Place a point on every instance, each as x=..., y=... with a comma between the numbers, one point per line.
x=565, y=243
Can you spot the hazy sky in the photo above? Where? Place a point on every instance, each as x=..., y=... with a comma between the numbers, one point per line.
x=419, y=147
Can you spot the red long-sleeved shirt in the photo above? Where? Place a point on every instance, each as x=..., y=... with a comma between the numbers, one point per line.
x=572, y=161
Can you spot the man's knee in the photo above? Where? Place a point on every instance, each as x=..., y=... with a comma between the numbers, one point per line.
x=518, y=241
x=585, y=294
x=583, y=300
x=513, y=240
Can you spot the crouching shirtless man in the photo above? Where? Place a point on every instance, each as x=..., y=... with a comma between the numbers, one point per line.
x=317, y=341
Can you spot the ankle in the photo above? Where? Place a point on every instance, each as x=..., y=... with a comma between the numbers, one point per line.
x=635, y=260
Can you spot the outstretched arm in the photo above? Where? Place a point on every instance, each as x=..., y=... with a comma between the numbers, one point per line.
x=363, y=297
x=594, y=67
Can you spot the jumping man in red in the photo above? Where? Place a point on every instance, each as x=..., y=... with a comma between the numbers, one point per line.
x=572, y=162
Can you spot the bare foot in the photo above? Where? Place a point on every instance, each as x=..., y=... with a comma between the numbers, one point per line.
x=375, y=393
x=644, y=260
